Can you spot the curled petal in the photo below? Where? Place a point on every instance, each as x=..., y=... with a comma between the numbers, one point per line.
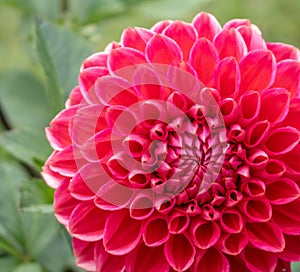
x=293, y=116
x=206, y=25
x=282, y=191
x=141, y=207
x=162, y=49
x=254, y=187
x=182, y=33
x=53, y=179
x=106, y=261
x=291, y=160
x=288, y=76
x=287, y=217
x=138, y=179
x=64, y=203
x=75, y=97
x=178, y=221
x=276, y=99
x=258, y=260
x=80, y=225
x=121, y=233
x=257, y=158
x=176, y=259
x=252, y=37
x=227, y=77
x=230, y=43
x=249, y=106
x=261, y=65
x=229, y=110
x=256, y=133
x=233, y=244
x=155, y=231
x=204, y=234
x=136, y=145
x=231, y=221
x=84, y=253
x=235, y=23
x=147, y=259
x=266, y=236
x=282, y=140
x=257, y=209
x=212, y=258
x=273, y=170
x=283, y=51
x=136, y=38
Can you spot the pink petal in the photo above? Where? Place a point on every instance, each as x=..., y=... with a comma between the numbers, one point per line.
x=252, y=37
x=266, y=236
x=258, y=260
x=180, y=252
x=106, y=261
x=283, y=51
x=273, y=170
x=256, y=133
x=84, y=254
x=212, y=259
x=205, y=234
x=249, y=105
x=111, y=46
x=160, y=26
x=231, y=221
x=206, y=25
x=87, y=222
x=203, y=58
x=88, y=77
x=230, y=43
x=257, y=209
x=257, y=159
x=287, y=217
x=95, y=60
x=124, y=57
x=121, y=233
x=292, y=249
x=233, y=244
x=182, y=33
x=282, y=191
x=236, y=264
x=178, y=221
x=227, y=77
x=235, y=23
x=155, y=231
x=147, y=259
x=136, y=38
x=79, y=189
x=64, y=203
x=162, y=49
x=53, y=179
x=75, y=97
x=258, y=70
x=291, y=160
x=58, y=133
x=282, y=140
x=288, y=76
x=293, y=116
x=276, y=99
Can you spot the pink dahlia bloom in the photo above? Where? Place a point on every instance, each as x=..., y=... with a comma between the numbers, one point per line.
x=179, y=150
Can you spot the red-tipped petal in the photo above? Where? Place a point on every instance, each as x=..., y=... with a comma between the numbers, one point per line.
x=121, y=233
x=266, y=236
x=162, y=49
x=258, y=64
x=182, y=33
x=182, y=259
x=206, y=25
x=136, y=38
x=230, y=43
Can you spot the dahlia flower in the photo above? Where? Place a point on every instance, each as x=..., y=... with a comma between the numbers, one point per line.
x=179, y=150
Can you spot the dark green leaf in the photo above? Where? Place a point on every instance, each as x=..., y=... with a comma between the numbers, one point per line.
x=8, y=264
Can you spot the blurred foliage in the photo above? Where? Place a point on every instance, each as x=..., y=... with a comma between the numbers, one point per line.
x=43, y=43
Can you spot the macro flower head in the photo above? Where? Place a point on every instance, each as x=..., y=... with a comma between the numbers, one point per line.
x=179, y=150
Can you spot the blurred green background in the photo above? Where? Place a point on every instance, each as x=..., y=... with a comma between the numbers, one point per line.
x=55, y=36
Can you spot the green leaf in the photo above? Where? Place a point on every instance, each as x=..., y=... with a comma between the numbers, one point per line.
x=8, y=263
x=295, y=267
x=36, y=196
x=29, y=267
x=23, y=99
x=61, y=53
x=26, y=144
